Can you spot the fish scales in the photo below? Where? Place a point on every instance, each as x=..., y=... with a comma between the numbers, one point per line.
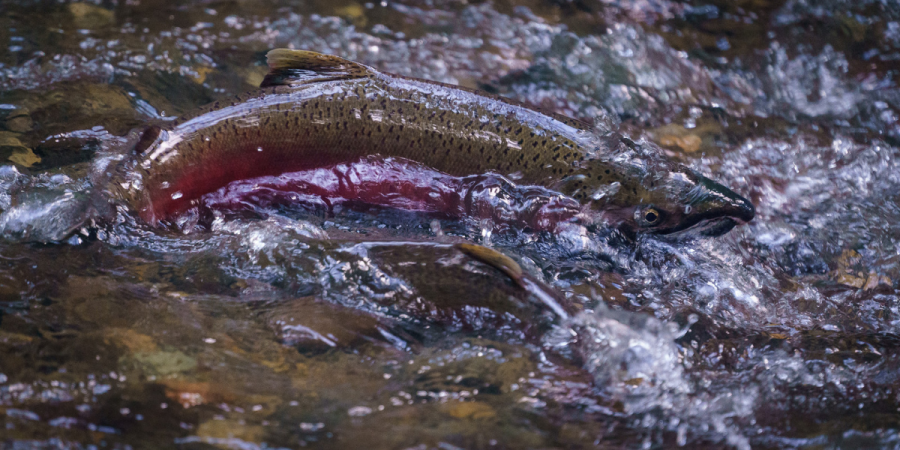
x=291, y=129
x=316, y=110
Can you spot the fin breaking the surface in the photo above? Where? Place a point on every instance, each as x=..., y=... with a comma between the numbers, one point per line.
x=513, y=270
x=495, y=259
x=298, y=67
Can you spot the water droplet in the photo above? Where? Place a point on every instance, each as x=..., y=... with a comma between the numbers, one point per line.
x=436, y=228
x=486, y=231
x=359, y=411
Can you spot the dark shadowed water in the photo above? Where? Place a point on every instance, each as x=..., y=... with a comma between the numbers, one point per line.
x=355, y=327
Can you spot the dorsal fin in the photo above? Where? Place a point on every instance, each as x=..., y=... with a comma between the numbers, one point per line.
x=298, y=67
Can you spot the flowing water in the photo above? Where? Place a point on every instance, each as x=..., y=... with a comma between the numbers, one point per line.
x=334, y=325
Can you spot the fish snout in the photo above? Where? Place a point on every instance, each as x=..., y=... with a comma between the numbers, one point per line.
x=712, y=210
x=738, y=211
x=723, y=202
x=739, y=208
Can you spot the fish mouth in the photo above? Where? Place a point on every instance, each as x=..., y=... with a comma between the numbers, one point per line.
x=728, y=211
x=741, y=210
x=712, y=227
x=715, y=223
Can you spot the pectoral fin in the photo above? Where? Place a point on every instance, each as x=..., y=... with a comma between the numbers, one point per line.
x=549, y=297
x=495, y=259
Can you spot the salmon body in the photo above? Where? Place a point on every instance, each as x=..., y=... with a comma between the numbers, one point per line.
x=315, y=111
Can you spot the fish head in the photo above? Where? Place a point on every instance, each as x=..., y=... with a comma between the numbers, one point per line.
x=675, y=200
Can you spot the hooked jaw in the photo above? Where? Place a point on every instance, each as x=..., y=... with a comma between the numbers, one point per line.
x=689, y=205
x=716, y=209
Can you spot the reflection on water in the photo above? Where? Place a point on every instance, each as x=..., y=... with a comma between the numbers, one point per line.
x=367, y=328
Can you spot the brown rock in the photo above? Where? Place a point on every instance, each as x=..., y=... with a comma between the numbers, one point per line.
x=86, y=15
x=689, y=144
x=24, y=157
x=472, y=410
x=20, y=124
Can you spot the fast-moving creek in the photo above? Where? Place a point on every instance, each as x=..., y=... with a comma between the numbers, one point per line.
x=302, y=311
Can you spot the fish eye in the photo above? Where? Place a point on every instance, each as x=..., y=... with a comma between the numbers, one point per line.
x=649, y=216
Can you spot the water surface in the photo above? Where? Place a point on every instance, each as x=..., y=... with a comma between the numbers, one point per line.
x=364, y=328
